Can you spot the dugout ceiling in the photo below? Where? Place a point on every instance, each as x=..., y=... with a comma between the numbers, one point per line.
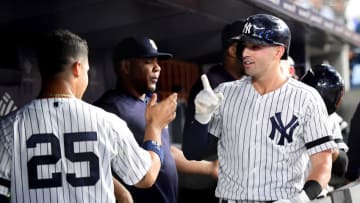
x=187, y=28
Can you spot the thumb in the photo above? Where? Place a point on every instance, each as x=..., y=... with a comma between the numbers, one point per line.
x=153, y=100
x=205, y=82
x=220, y=96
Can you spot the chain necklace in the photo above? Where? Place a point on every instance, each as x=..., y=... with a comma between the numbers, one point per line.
x=57, y=95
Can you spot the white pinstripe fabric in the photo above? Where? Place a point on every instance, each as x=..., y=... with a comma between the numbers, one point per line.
x=240, y=201
x=252, y=165
x=334, y=125
x=64, y=119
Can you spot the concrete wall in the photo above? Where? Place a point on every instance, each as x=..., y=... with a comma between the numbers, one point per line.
x=349, y=104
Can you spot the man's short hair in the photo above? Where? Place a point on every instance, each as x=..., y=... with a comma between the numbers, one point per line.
x=58, y=49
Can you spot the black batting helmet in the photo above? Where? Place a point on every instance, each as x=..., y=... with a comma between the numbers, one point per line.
x=264, y=29
x=328, y=82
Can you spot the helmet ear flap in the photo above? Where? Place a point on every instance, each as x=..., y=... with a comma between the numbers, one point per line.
x=285, y=55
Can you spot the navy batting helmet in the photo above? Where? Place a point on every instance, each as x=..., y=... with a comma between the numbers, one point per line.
x=328, y=82
x=264, y=29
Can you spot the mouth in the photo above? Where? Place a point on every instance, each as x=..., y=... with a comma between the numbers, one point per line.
x=247, y=63
x=154, y=79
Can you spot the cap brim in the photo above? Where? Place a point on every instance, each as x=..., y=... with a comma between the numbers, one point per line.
x=159, y=55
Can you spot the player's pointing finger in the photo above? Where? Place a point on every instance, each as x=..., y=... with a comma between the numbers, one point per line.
x=205, y=82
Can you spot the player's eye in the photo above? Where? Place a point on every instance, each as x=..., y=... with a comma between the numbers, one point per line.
x=151, y=60
x=254, y=47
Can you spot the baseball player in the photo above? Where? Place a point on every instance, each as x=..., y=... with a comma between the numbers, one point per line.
x=58, y=148
x=137, y=71
x=268, y=125
x=328, y=82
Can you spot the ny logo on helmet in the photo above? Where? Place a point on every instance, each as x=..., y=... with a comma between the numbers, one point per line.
x=277, y=124
x=247, y=28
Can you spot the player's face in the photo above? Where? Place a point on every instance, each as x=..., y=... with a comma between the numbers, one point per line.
x=259, y=60
x=145, y=73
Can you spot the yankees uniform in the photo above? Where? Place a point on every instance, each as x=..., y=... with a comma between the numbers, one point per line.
x=265, y=140
x=63, y=150
x=335, y=128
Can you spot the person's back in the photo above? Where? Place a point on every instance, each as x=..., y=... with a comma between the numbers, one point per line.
x=60, y=150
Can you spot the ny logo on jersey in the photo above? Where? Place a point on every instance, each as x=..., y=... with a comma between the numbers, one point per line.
x=247, y=28
x=277, y=124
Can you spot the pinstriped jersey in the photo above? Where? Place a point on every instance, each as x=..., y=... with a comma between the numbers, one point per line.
x=63, y=150
x=335, y=128
x=265, y=140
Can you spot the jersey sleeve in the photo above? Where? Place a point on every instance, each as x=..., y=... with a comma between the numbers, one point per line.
x=5, y=158
x=130, y=162
x=317, y=134
x=337, y=134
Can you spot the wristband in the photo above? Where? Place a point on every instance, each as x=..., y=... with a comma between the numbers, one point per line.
x=155, y=147
x=312, y=189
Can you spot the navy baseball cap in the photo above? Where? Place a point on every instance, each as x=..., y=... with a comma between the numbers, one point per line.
x=137, y=47
x=230, y=31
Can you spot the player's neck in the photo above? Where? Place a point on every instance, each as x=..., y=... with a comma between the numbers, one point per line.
x=129, y=90
x=56, y=90
x=268, y=84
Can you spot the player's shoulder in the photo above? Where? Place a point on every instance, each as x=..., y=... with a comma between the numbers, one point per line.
x=16, y=114
x=303, y=88
x=7, y=123
x=106, y=116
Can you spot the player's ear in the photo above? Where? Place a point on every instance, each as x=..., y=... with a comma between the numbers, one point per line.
x=280, y=51
x=231, y=50
x=125, y=66
x=76, y=68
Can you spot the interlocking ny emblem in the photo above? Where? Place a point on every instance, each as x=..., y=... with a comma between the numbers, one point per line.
x=277, y=124
x=247, y=28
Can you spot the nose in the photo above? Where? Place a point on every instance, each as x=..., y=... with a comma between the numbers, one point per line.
x=245, y=52
x=157, y=67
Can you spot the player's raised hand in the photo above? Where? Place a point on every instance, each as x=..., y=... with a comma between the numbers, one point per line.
x=162, y=113
x=206, y=102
